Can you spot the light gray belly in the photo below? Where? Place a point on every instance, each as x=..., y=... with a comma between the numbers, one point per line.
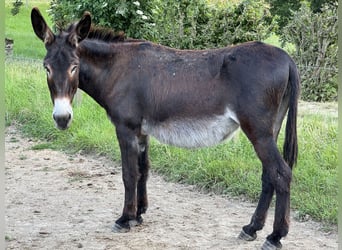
x=193, y=133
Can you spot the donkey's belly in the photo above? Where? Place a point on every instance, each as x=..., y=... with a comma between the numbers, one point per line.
x=193, y=133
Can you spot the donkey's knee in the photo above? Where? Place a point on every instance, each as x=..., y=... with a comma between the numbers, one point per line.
x=275, y=169
x=281, y=177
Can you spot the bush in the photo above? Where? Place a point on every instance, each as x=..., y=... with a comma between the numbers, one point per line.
x=185, y=24
x=247, y=21
x=181, y=24
x=283, y=11
x=315, y=38
x=133, y=17
x=195, y=24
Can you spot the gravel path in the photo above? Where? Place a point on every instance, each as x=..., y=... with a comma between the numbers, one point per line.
x=60, y=201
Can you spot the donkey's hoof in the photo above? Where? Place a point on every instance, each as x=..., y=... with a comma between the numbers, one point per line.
x=270, y=246
x=120, y=229
x=117, y=228
x=245, y=236
x=137, y=222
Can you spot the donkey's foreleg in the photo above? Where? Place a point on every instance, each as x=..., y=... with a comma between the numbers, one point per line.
x=129, y=147
x=144, y=165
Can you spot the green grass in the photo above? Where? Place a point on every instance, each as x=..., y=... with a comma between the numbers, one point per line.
x=230, y=168
x=19, y=29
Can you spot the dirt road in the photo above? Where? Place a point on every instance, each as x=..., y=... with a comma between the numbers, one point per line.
x=60, y=201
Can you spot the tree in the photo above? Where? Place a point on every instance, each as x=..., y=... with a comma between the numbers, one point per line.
x=315, y=38
x=316, y=5
x=283, y=10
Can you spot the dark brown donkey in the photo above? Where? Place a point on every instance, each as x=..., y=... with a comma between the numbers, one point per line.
x=186, y=98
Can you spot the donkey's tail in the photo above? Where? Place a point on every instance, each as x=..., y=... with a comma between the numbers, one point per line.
x=290, y=148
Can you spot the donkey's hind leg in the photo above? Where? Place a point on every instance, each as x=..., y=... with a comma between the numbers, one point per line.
x=276, y=176
x=258, y=220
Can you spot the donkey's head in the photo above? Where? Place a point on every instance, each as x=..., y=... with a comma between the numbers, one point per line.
x=61, y=63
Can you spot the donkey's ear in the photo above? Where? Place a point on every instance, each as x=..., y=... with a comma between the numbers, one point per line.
x=40, y=27
x=81, y=30
x=83, y=26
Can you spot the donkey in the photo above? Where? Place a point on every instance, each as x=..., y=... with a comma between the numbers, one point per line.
x=187, y=98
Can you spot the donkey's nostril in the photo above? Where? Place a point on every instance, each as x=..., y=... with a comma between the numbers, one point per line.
x=62, y=121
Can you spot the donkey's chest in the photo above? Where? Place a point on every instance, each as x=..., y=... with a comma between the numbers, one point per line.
x=191, y=132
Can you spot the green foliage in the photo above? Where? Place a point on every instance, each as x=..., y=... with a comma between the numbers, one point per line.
x=283, y=10
x=246, y=21
x=180, y=24
x=195, y=24
x=316, y=5
x=16, y=7
x=315, y=38
x=133, y=17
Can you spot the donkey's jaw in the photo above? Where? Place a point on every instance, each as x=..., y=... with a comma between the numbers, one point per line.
x=62, y=113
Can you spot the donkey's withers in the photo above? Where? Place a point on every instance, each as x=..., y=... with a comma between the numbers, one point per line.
x=184, y=98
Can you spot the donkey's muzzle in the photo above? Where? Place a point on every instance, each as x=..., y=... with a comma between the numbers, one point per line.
x=62, y=122
x=62, y=113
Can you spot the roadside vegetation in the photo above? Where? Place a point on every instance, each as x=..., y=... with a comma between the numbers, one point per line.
x=230, y=168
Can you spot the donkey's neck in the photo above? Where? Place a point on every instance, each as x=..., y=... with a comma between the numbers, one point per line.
x=95, y=50
x=97, y=60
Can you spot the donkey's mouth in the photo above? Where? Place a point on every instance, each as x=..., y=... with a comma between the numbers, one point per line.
x=62, y=127
x=62, y=122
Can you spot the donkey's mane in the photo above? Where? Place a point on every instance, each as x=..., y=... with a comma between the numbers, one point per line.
x=105, y=34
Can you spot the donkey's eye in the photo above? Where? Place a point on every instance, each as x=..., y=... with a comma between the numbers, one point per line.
x=73, y=69
x=47, y=69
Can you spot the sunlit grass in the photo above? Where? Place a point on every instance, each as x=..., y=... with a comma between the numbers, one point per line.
x=19, y=29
